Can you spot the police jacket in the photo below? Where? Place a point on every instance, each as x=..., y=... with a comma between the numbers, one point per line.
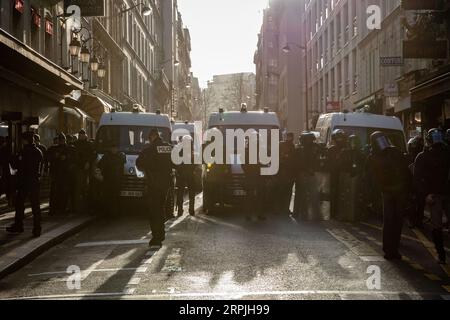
x=388, y=171
x=27, y=163
x=431, y=170
x=155, y=161
x=62, y=160
x=307, y=159
x=111, y=166
x=85, y=153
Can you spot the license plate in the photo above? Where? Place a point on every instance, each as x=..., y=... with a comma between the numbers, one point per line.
x=131, y=194
x=239, y=193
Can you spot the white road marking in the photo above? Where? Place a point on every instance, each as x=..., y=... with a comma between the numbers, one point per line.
x=373, y=259
x=134, y=281
x=112, y=243
x=83, y=271
x=126, y=295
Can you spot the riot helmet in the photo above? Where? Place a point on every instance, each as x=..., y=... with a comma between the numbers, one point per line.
x=339, y=137
x=307, y=139
x=435, y=137
x=354, y=143
x=380, y=142
x=415, y=146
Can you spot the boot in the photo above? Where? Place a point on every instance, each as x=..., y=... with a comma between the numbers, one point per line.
x=14, y=228
x=36, y=232
x=439, y=244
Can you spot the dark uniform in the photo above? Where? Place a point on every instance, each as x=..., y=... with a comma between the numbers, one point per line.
x=63, y=162
x=387, y=168
x=5, y=180
x=85, y=158
x=416, y=212
x=27, y=163
x=431, y=173
x=286, y=175
x=334, y=159
x=111, y=166
x=155, y=161
x=185, y=176
x=51, y=159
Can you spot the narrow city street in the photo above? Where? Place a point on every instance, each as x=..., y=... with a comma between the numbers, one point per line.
x=223, y=256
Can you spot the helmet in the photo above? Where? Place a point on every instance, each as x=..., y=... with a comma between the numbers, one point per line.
x=434, y=137
x=354, y=142
x=339, y=137
x=415, y=145
x=379, y=142
x=307, y=138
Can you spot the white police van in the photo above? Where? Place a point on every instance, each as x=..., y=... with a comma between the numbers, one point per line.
x=361, y=124
x=225, y=184
x=129, y=131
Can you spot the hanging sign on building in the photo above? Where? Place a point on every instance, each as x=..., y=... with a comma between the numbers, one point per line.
x=49, y=27
x=88, y=8
x=333, y=106
x=429, y=49
x=422, y=4
x=36, y=18
x=391, y=90
x=391, y=61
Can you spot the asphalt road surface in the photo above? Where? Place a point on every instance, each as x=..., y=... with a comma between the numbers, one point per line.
x=224, y=256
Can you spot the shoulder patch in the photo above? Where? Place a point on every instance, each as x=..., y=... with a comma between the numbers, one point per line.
x=164, y=149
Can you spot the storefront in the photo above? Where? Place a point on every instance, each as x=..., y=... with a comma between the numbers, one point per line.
x=31, y=87
x=431, y=97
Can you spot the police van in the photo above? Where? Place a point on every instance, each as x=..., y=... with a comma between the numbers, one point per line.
x=129, y=131
x=225, y=183
x=361, y=124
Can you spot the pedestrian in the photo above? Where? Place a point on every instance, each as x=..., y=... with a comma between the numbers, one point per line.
x=431, y=174
x=387, y=169
x=334, y=154
x=155, y=161
x=286, y=174
x=185, y=178
x=27, y=163
x=111, y=166
x=85, y=157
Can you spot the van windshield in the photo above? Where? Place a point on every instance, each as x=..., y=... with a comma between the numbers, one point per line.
x=396, y=136
x=129, y=139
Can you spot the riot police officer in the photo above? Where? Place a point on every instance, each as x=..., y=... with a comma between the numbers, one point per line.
x=431, y=172
x=415, y=147
x=111, y=166
x=85, y=157
x=185, y=177
x=27, y=163
x=306, y=161
x=387, y=169
x=155, y=161
x=286, y=175
x=339, y=141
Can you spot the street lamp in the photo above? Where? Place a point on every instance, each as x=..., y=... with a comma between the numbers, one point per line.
x=74, y=47
x=85, y=55
x=94, y=63
x=146, y=10
x=287, y=49
x=101, y=71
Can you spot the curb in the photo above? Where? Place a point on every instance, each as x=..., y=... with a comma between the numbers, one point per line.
x=26, y=253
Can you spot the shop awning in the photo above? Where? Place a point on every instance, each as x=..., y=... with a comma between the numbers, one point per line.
x=94, y=106
x=22, y=60
x=432, y=87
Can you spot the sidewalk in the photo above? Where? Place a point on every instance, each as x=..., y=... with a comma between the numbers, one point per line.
x=16, y=250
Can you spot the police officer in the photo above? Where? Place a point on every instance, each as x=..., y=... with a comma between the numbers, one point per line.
x=286, y=175
x=27, y=163
x=431, y=172
x=334, y=157
x=85, y=157
x=185, y=174
x=111, y=166
x=387, y=169
x=415, y=147
x=306, y=161
x=51, y=159
x=155, y=161
x=37, y=142
x=63, y=162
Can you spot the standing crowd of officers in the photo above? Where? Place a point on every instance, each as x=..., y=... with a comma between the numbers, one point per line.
x=66, y=163
x=402, y=185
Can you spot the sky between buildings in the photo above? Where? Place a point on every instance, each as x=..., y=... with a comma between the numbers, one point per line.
x=224, y=35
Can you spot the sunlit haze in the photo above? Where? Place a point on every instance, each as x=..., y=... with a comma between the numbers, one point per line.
x=224, y=34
